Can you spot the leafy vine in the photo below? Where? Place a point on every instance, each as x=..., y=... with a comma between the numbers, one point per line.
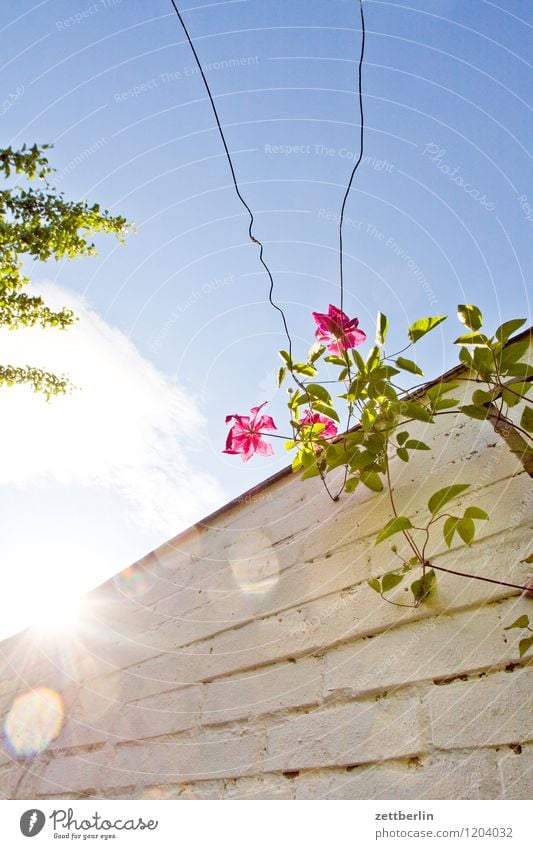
x=371, y=391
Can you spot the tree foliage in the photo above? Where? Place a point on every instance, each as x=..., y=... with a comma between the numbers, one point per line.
x=38, y=223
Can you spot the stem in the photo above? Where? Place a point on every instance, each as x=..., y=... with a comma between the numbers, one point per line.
x=396, y=603
x=407, y=536
x=397, y=354
x=477, y=577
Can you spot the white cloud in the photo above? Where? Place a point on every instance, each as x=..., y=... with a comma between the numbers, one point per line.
x=127, y=427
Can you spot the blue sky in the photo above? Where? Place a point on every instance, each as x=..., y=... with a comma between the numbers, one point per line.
x=175, y=328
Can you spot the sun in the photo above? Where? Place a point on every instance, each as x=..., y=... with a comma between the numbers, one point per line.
x=55, y=613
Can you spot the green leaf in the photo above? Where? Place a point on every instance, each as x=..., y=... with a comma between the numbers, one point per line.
x=315, y=390
x=474, y=412
x=507, y=329
x=287, y=357
x=423, y=326
x=358, y=361
x=384, y=372
x=483, y=363
x=442, y=496
x=296, y=463
x=520, y=390
x=401, y=437
x=373, y=359
x=526, y=420
x=450, y=526
x=423, y=587
x=336, y=361
x=472, y=339
x=528, y=559
x=475, y=513
x=445, y=404
x=466, y=357
x=372, y=480
x=523, y=370
x=408, y=365
x=315, y=353
x=510, y=398
x=470, y=316
x=356, y=437
x=308, y=457
x=281, y=375
x=480, y=397
x=326, y=410
x=305, y=368
x=394, y=526
x=416, y=445
x=351, y=484
x=442, y=388
x=512, y=353
x=382, y=325
x=524, y=645
x=521, y=622
x=403, y=454
x=311, y=472
x=390, y=580
x=414, y=410
x=374, y=584
x=466, y=530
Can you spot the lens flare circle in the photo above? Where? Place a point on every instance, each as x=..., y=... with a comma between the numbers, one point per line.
x=254, y=564
x=132, y=582
x=34, y=720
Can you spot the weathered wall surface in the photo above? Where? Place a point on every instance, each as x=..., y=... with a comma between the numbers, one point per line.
x=248, y=658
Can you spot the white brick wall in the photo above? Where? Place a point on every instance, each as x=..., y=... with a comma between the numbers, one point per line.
x=257, y=663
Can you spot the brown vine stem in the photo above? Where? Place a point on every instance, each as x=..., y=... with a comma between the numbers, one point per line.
x=397, y=603
x=407, y=536
x=476, y=577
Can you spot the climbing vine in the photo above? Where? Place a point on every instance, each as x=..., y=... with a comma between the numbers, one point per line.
x=369, y=388
x=372, y=394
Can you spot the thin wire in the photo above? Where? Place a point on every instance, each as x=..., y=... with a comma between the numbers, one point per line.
x=234, y=178
x=361, y=145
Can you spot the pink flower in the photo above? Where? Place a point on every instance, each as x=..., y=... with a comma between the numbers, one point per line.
x=310, y=418
x=245, y=435
x=337, y=331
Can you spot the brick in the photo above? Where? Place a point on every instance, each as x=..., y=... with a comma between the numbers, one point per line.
x=516, y=771
x=358, y=732
x=204, y=756
x=471, y=640
x=141, y=681
x=205, y=790
x=273, y=786
x=457, y=775
x=483, y=711
x=164, y=714
x=18, y=779
x=270, y=688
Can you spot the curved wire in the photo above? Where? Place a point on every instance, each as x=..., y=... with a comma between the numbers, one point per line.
x=358, y=162
x=234, y=178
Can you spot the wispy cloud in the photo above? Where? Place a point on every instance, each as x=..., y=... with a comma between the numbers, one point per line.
x=127, y=427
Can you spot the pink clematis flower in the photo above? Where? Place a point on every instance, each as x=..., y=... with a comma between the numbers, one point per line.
x=245, y=436
x=337, y=331
x=310, y=418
